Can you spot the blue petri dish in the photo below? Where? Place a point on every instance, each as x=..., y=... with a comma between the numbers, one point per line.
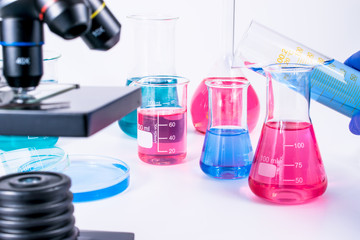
x=96, y=177
x=92, y=177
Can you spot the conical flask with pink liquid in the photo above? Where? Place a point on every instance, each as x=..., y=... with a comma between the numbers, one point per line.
x=287, y=166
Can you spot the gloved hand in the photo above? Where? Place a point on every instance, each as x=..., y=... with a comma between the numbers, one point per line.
x=354, y=62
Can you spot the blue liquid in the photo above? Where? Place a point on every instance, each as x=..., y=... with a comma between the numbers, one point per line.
x=107, y=179
x=8, y=143
x=167, y=96
x=102, y=193
x=334, y=85
x=129, y=123
x=227, y=153
x=337, y=86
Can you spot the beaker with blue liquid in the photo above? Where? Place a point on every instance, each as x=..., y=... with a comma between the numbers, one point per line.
x=153, y=56
x=227, y=152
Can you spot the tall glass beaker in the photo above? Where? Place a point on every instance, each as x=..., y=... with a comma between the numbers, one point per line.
x=287, y=165
x=162, y=120
x=223, y=68
x=227, y=152
x=153, y=53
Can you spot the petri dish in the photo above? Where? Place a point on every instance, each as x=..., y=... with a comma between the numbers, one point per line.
x=92, y=177
x=96, y=177
x=33, y=159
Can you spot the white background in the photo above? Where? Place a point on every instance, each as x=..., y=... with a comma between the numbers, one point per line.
x=180, y=202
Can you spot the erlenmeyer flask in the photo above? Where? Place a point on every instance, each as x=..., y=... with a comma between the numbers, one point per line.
x=227, y=152
x=287, y=165
x=223, y=67
x=154, y=55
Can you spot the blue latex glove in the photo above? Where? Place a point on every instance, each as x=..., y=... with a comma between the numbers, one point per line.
x=354, y=62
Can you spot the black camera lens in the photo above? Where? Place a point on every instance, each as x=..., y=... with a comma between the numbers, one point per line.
x=67, y=18
x=105, y=28
x=36, y=205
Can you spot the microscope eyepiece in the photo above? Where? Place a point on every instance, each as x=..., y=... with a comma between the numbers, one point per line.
x=67, y=18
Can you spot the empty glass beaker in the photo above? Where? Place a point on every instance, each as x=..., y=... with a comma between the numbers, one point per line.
x=227, y=152
x=223, y=68
x=153, y=55
x=287, y=165
x=162, y=120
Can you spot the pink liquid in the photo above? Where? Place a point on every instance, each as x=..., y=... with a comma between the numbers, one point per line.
x=287, y=166
x=199, y=106
x=162, y=135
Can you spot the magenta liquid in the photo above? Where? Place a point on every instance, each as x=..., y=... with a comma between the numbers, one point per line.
x=162, y=135
x=287, y=166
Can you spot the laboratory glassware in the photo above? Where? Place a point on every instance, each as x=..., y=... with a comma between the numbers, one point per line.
x=51, y=62
x=162, y=120
x=227, y=152
x=34, y=159
x=333, y=84
x=287, y=166
x=110, y=176
x=153, y=55
x=223, y=67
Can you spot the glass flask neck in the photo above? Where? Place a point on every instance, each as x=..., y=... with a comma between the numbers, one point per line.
x=224, y=66
x=154, y=45
x=228, y=28
x=288, y=92
x=227, y=102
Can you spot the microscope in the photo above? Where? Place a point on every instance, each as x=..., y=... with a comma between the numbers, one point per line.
x=71, y=110
x=40, y=206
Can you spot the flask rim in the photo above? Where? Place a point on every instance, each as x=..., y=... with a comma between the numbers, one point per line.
x=227, y=82
x=160, y=81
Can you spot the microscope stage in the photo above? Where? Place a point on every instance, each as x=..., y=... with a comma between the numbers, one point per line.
x=90, y=110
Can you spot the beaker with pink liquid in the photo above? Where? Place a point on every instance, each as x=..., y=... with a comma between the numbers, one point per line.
x=162, y=119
